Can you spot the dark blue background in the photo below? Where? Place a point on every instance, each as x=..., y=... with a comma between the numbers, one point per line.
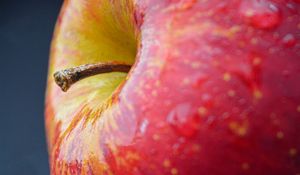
x=26, y=28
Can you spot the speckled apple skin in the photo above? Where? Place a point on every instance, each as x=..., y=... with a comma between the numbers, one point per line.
x=215, y=88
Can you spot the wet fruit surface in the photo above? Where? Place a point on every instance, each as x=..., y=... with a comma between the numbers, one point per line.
x=214, y=90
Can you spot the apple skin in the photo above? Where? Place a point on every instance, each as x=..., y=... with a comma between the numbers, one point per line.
x=215, y=88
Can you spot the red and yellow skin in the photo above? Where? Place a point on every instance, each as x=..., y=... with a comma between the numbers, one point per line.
x=214, y=90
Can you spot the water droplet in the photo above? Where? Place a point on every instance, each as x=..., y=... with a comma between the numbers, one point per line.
x=184, y=120
x=153, y=151
x=198, y=80
x=143, y=126
x=286, y=73
x=260, y=13
x=289, y=40
x=292, y=8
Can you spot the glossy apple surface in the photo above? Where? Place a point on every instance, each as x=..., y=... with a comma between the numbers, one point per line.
x=215, y=88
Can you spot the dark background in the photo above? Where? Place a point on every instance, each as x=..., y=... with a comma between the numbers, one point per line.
x=26, y=28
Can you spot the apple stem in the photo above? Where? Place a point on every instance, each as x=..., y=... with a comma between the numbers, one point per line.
x=66, y=78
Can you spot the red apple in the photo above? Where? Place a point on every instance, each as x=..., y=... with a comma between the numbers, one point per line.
x=214, y=88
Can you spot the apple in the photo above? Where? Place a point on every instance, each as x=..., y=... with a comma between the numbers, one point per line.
x=210, y=88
